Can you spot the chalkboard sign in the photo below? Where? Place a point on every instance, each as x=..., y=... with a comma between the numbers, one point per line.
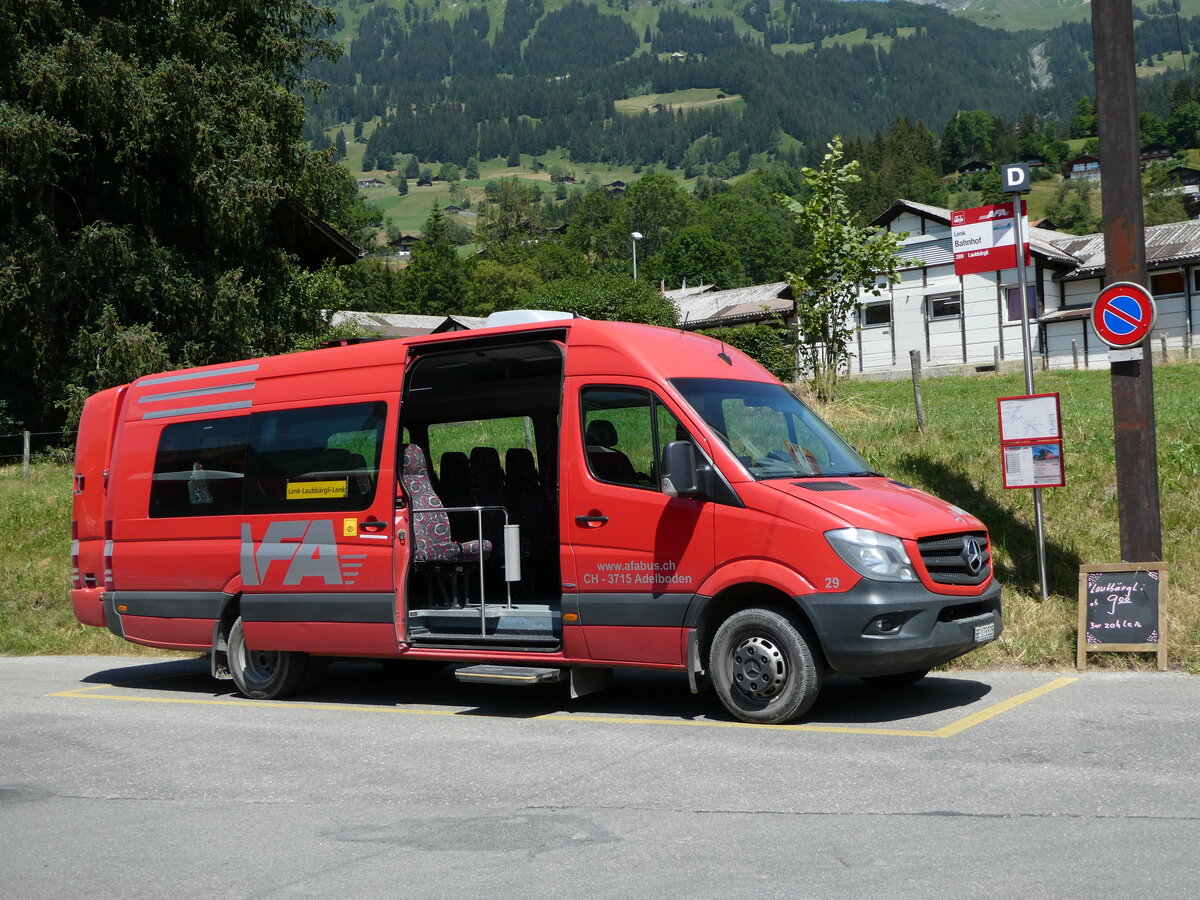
x=1122, y=607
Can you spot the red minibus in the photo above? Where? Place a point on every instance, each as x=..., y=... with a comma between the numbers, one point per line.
x=544, y=498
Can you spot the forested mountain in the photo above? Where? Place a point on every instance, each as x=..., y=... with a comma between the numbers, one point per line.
x=488, y=79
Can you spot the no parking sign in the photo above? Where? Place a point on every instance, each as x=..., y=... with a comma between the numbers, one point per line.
x=1123, y=314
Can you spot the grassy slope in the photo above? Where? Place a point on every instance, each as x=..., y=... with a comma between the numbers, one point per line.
x=957, y=458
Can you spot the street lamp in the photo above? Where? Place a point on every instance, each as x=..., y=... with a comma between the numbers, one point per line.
x=637, y=236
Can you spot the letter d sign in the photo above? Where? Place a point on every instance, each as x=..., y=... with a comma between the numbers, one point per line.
x=1015, y=178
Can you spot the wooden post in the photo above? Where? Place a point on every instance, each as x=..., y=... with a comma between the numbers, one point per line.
x=914, y=358
x=25, y=455
x=1074, y=353
x=1162, y=338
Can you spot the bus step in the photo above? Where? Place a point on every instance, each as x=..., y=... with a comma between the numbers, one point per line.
x=508, y=675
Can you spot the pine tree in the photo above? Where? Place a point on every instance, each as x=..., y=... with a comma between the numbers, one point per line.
x=435, y=280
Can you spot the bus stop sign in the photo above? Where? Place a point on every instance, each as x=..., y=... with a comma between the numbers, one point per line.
x=1123, y=314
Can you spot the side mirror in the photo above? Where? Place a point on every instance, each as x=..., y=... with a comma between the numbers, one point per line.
x=680, y=474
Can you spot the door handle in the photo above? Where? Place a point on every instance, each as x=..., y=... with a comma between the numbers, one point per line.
x=591, y=520
x=372, y=525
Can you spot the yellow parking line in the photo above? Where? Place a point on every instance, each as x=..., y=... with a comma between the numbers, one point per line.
x=951, y=730
x=1003, y=706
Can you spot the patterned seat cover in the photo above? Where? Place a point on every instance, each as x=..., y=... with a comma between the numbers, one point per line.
x=432, y=543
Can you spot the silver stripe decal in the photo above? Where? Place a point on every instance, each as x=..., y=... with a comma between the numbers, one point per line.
x=192, y=376
x=197, y=392
x=191, y=410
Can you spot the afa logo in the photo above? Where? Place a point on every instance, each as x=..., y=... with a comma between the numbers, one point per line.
x=301, y=549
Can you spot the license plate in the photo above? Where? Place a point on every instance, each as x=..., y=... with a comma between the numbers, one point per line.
x=985, y=632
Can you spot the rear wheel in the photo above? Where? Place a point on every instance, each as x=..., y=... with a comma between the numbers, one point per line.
x=763, y=667
x=898, y=680
x=265, y=674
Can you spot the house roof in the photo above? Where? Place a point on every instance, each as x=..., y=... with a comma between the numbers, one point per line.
x=735, y=306
x=1079, y=256
x=315, y=242
x=685, y=291
x=1040, y=239
x=403, y=324
x=1166, y=245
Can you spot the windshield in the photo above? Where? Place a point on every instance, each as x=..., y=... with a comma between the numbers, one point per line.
x=770, y=430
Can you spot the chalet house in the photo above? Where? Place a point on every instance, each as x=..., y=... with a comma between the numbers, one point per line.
x=974, y=167
x=1155, y=152
x=1032, y=160
x=370, y=183
x=424, y=182
x=1082, y=167
x=1187, y=177
x=405, y=242
x=616, y=188
x=969, y=320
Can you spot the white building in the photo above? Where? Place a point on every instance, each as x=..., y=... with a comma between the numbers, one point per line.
x=965, y=321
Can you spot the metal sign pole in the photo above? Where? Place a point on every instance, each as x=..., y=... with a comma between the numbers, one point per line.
x=1028, y=347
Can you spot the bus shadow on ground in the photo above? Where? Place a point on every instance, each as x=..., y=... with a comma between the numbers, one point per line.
x=639, y=694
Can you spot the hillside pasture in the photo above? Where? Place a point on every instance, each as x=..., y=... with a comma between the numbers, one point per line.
x=690, y=98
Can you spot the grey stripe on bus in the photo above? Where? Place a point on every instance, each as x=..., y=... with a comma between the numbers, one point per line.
x=187, y=411
x=197, y=392
x=192, y=376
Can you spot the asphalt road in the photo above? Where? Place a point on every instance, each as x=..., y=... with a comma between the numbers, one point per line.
x=128, y=778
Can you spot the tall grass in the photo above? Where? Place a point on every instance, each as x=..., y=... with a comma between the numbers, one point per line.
x=35, y=567
x=956, y=458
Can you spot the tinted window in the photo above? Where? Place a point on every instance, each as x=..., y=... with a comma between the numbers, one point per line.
x=316, y=459
x=1166, y=283
x=199, y=469
x=943, y=306
x=876, y=314
x=1013, y=297
x=625, y=430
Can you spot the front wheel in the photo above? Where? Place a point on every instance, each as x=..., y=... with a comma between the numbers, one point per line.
x=264, y=674
x=763, y=667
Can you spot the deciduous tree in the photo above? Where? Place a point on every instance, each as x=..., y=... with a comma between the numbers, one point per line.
x=840, y=258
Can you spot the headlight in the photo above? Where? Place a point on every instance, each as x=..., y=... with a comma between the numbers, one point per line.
x=869, y=553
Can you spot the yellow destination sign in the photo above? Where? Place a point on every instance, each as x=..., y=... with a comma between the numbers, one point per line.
x=316, y=490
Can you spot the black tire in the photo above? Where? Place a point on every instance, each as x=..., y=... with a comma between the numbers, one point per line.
x=763, y=667
x=265, y=674
x=897, y=680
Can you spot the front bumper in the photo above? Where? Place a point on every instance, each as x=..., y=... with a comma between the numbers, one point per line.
x=927, y=629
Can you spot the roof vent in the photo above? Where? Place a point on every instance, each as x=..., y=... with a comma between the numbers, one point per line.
x=525, y=317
